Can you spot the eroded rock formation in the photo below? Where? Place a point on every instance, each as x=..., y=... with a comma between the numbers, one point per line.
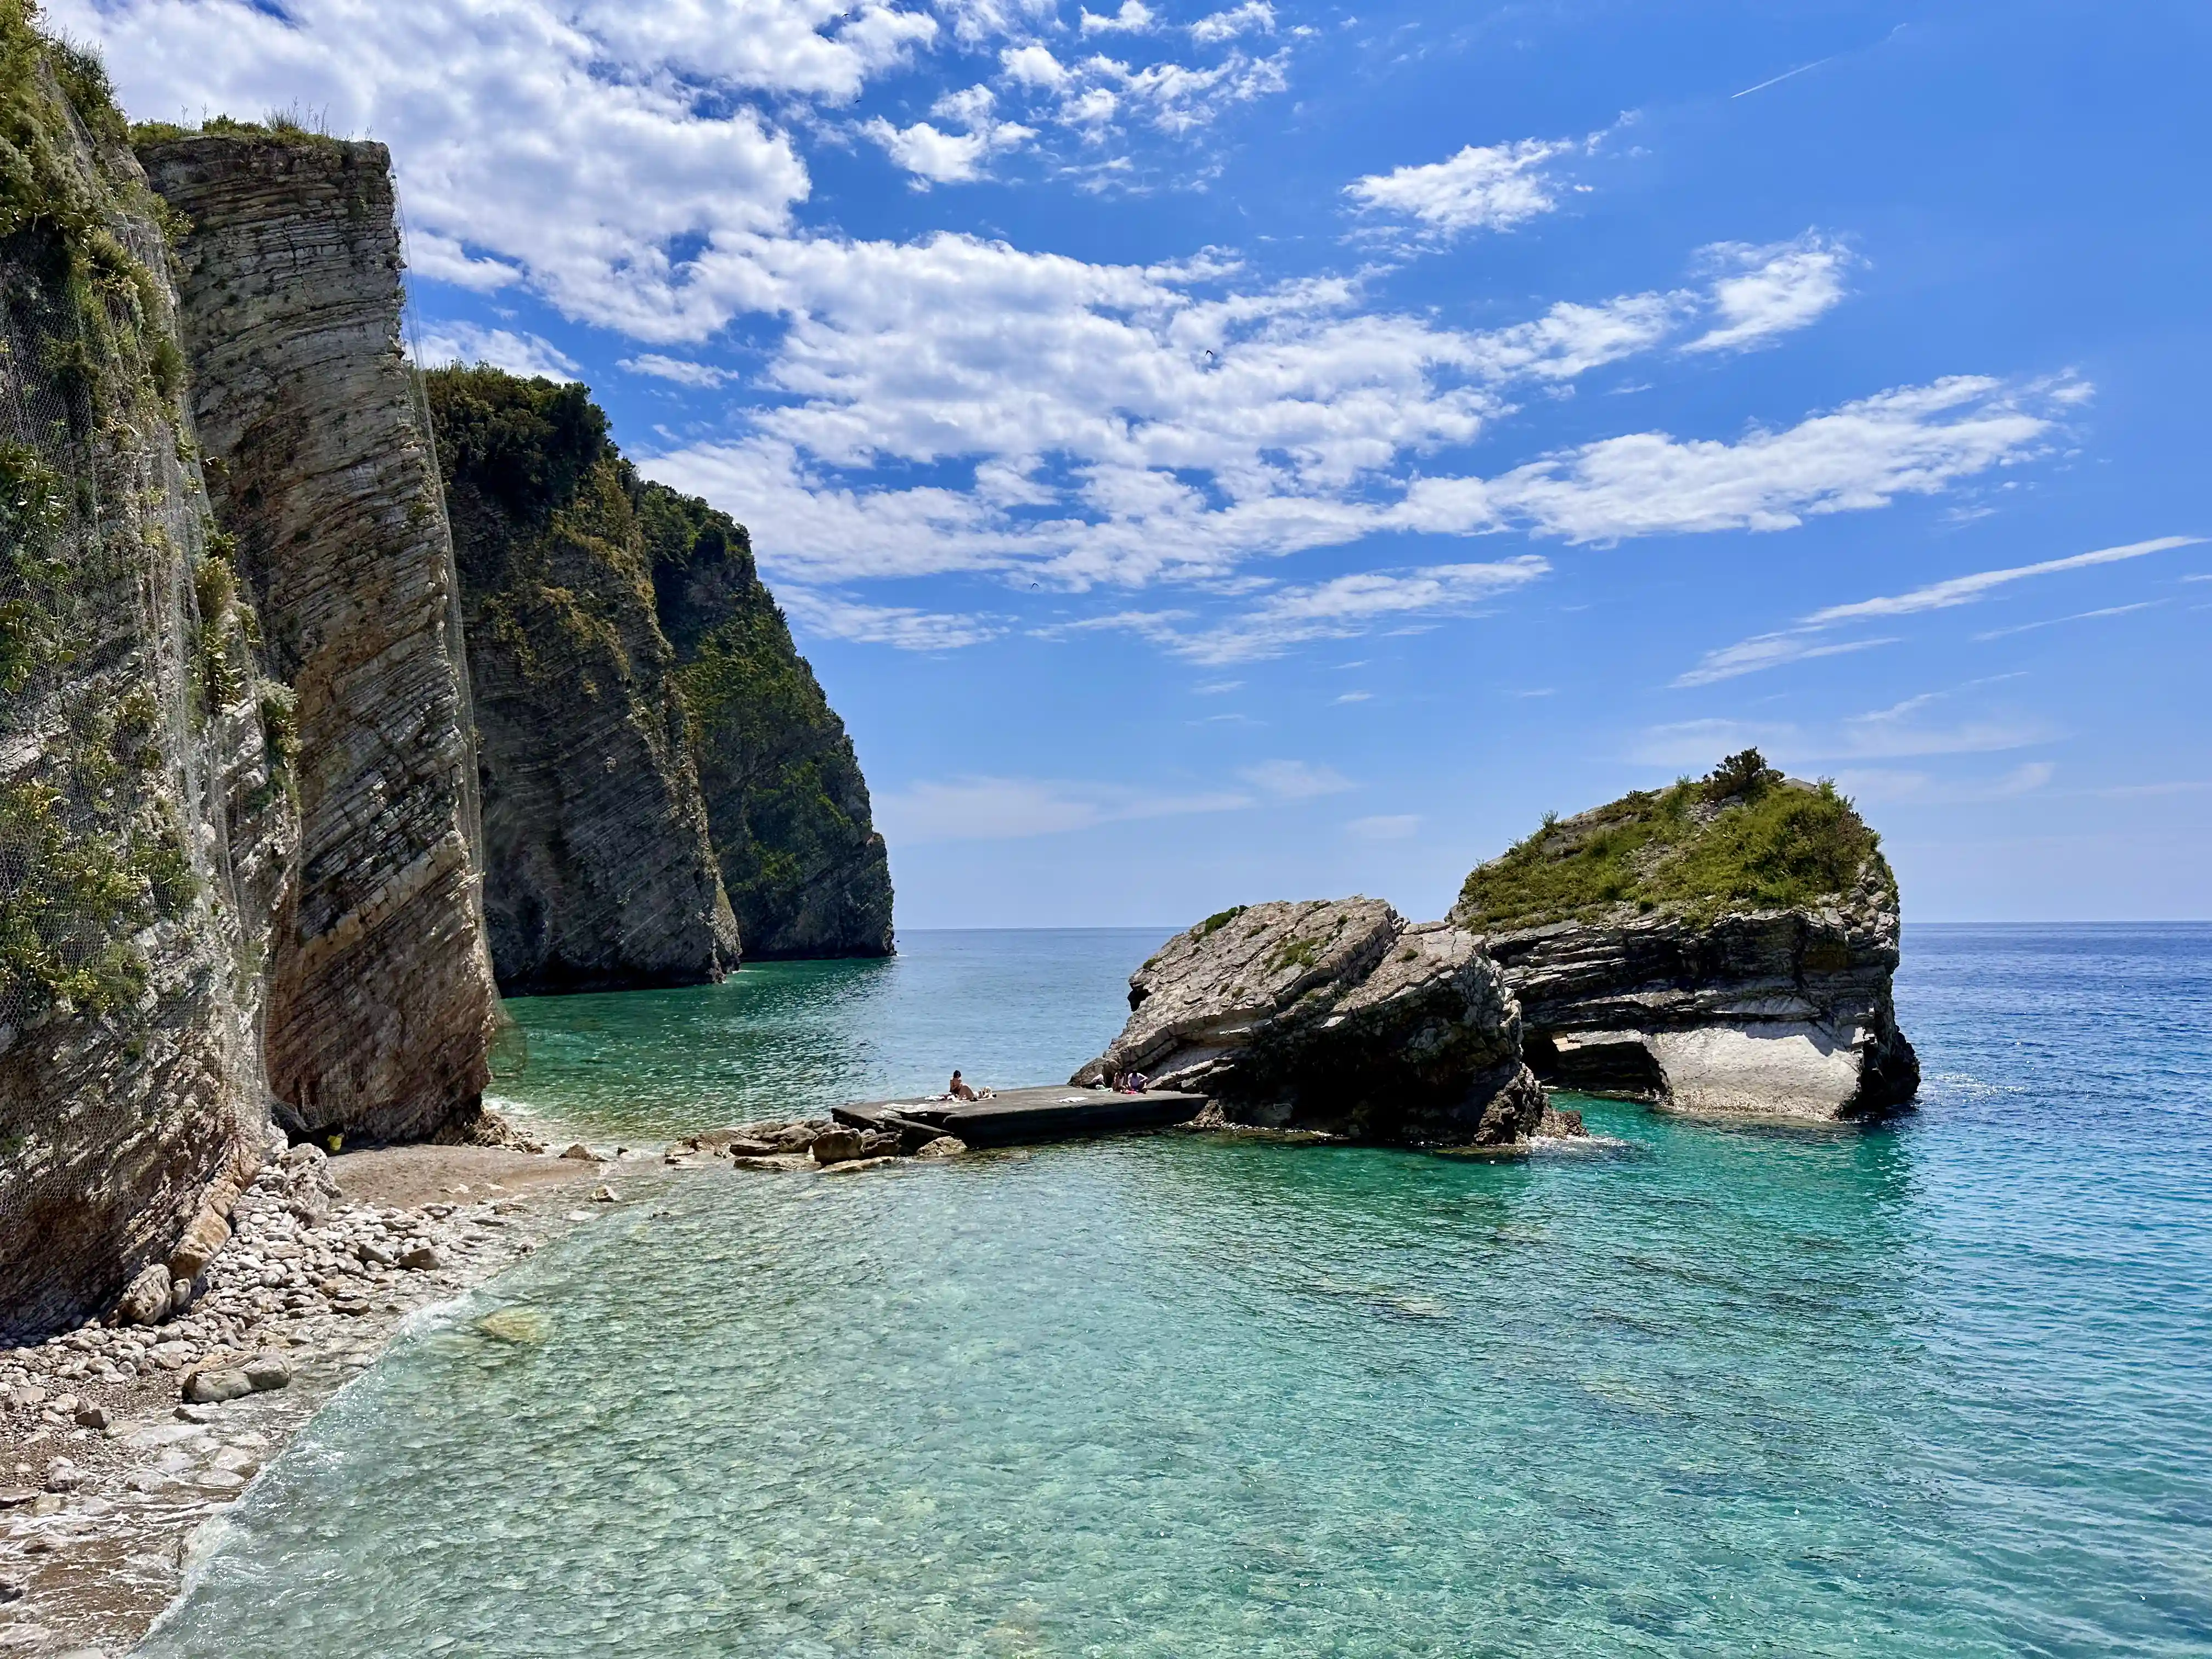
x=1335, y=1015
x=1725, y=946
x=144, y=836
x=318, y=467
x=600, y=873
x=786, y=807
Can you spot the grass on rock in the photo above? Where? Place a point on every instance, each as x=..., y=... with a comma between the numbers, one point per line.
x=1744, y=837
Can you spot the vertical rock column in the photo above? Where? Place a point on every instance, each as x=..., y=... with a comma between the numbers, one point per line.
x=381, y=999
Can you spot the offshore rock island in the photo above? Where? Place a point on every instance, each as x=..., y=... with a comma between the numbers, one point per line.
x=1723, y=947
x=1726, y=946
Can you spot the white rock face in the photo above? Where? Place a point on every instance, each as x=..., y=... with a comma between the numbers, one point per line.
x=1792, y=1070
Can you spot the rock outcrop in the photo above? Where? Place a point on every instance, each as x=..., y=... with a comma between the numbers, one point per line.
x=145, y=833
x=599, y=874
x=786, y=807
x=1725, y=947
x=1333, y=1015
x=318, y=467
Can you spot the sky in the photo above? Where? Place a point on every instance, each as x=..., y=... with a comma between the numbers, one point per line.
x=1212, y=454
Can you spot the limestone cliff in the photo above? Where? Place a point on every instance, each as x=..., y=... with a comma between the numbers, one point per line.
x=1332, y=1015
x=788, y=810
x=145, y=828
x=1725, y=945
x=319, y=467
x=600, y=873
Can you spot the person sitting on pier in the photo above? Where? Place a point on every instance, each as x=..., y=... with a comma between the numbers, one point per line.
x=960, y=1090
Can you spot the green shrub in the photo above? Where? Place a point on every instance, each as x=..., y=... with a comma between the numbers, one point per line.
x=1742, y=837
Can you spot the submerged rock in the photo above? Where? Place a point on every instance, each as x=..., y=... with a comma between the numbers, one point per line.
x=1335, y=1015
x=1725, y=946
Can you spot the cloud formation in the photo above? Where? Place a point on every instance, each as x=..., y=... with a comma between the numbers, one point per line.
x=957, y=404
x=1763, y=293
x=1805, y=639
x=1484, y=187
x=1015, y=809
x=469, y=344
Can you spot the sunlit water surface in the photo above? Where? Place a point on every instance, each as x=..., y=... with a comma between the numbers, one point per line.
x=1935, y=1390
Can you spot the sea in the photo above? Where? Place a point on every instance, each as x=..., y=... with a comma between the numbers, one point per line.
x=1939, y=1387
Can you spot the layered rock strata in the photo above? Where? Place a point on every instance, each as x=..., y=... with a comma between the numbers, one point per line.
x=145, y=828
x=599, y=872
x=786, y=807
x=1729, y=950
x=318, y=467
x=1333, y=1015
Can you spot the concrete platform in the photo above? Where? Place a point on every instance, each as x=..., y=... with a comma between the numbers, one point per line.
x=1020, y=1117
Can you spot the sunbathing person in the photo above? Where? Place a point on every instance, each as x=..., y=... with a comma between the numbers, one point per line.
x=960, y=1090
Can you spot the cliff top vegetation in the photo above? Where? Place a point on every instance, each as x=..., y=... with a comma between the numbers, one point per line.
x=285, y=126
x=1742, y=837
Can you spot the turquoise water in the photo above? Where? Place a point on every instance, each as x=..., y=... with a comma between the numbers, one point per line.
x=1940, y=1388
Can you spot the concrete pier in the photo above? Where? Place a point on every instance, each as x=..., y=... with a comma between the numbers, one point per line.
x=1015, y=1117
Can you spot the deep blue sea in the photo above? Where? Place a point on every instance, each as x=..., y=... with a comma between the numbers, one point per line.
x=1942, y=1388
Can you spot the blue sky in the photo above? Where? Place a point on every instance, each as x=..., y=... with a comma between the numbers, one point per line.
x=1219, y=453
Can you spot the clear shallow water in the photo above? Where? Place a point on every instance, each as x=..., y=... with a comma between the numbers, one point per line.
x=780, y=1038
x=1936, y=1389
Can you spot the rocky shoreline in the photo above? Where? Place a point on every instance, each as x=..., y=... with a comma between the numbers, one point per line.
x=122, y=1445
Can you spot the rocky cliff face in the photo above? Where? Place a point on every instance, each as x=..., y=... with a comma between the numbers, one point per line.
x=1725, y=946
x=786, y=807
x=318, y=467
x=600, y=873
x=1333, y=1015
x=145, y=828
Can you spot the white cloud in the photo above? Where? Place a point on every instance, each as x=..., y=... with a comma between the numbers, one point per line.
x=1134, y=18
x=1091, y=400
x=681, y=370
x=1771, y=651
x=2079, y=615
x=1770, y=291
x=1484, y=187
x=1347, y=606
x=1803, y=639
x=1254, y=17
x=1293, y=779
x=1902, y=731
x=1966, y=590
x=1034, y=66
x=902, y=626
x=517, y=353
x=523, y=130
x=1013, y=809
x=945, y=158
x=1912, y=440
x=1354, y=696
x=1880, y=785
x=1397, y=826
